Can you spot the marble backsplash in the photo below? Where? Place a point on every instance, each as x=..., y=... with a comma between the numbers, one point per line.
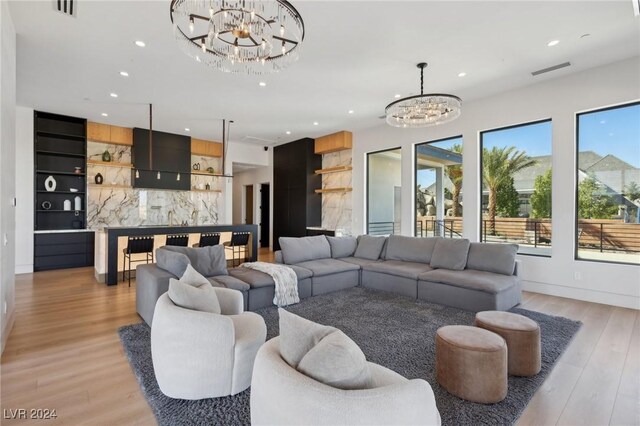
x=336, y=206
x=139, y=207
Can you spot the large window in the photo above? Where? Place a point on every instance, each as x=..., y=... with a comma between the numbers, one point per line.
x=438, y=202
x=516, y=187
x=608, y=185
x=383, y=192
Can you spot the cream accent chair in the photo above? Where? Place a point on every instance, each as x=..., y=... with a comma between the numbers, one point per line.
x=200, y=355
x=280, y=395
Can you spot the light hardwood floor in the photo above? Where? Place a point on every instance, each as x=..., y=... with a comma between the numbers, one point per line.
x=64, y=354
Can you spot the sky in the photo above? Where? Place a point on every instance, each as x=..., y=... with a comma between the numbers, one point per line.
x=614, y=131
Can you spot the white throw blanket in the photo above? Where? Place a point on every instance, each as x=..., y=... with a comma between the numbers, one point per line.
x=286, y=292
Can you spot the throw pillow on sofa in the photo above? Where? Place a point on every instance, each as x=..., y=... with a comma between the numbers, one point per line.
x=369, y=247
x=450, y=253
x=323, y=353
x=296, y=250
x=172, y=261
x=210, y=261
x=193, y=291
x=342, y=246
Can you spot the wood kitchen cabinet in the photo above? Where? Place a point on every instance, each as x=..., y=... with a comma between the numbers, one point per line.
x=206, y=148
x=105, y=133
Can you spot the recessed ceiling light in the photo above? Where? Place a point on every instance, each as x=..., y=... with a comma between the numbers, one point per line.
x=104, y=114
x=124, y=73
x=288, y=132
x=315, y=123
x=262, y=84
x=186, y=129
x=397, y=95
x=553, y=43
x=140, y=43
x=113, y=95
x=462, y=74
x=351, y=111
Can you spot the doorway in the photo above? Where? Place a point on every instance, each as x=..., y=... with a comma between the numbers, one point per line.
x=264, y=215
x=248, y=204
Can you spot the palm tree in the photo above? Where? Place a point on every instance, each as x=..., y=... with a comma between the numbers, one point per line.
x=498, y=167
x=454, y=173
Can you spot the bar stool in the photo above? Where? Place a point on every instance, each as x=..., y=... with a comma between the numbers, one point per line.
x=137, y=245
x=208, y=239
x=181, y=240
x=239, y=240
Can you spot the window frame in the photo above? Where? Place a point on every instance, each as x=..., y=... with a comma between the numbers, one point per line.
x=480, y=179
x=415, y=174
x=576, y=154
x=366, y=212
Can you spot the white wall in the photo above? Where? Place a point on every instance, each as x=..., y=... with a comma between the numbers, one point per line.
x=253, y=177
x=7, y=174
x=24, y=190
x=558, y=99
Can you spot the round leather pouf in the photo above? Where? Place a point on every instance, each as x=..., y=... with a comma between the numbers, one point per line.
x=471, y=363
x=522, y=335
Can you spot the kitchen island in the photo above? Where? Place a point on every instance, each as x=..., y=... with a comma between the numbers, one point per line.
x=108, y=247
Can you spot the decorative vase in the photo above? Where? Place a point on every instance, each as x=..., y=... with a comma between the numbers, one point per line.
x=46, y=205
x=67, y=204
x=106, y=156
x=207, y=187
x=78, y=203
x=98, y=179
x=77, y=170
x=50, y=184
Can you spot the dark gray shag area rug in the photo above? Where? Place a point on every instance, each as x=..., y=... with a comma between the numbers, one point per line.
x=393, y=331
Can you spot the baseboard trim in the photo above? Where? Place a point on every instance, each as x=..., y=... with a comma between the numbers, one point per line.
x=24, y=269
x=587, y=295
x=7, y=329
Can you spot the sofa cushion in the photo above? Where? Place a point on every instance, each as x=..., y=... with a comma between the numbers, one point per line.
x=227, y=281
x=296, y=250
x=398, y=268
x=323, y=353
x=324, y=267
x=342, y=246
x=450, y=253
x=488, y=282
x=171, y=261
x=209, y=261
x=358, y=261
x=252, y=277
x=369, y=247
x=498, y=258
x=193, y=291
x=410, y=249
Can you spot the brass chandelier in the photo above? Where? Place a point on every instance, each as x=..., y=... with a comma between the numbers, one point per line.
x=423, y=110
x=239, y=36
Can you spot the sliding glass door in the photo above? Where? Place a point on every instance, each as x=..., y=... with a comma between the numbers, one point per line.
x=383, y=192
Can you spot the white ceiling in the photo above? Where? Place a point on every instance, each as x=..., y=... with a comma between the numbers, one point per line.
x=356, y=55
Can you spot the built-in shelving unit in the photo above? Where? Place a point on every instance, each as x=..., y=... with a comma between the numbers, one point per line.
x=110, y=164
x=206, y=190
x=108, y=185
x=206, y=174
x=60, y=152
x=333, y=170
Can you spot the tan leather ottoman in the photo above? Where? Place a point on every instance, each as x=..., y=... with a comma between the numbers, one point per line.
x=471, y=363
x=523, y=339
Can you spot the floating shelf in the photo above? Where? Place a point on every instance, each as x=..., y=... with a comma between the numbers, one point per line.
x=328, y=190
x=104, y=185
x=109, y=142
x=333, y=170
x=206, y=174
x=206, y=190
x=110, y=164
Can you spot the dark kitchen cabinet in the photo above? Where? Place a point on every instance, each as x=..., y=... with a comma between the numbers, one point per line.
x=295, y=203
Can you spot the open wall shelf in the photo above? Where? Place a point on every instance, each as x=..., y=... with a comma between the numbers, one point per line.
x=333, y=170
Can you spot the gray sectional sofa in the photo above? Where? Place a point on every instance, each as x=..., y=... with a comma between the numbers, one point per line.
x=453, y=272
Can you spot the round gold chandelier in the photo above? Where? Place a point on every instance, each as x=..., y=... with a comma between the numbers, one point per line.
x=423, y=110
x=239, y=36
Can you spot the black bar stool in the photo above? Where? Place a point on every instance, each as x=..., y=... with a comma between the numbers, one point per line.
x=208, y=239
x=181, y=240
x=137, y=245
x=239, y=241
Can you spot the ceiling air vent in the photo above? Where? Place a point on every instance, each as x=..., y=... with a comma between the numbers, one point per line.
x=68, y=7
x=553, y=68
